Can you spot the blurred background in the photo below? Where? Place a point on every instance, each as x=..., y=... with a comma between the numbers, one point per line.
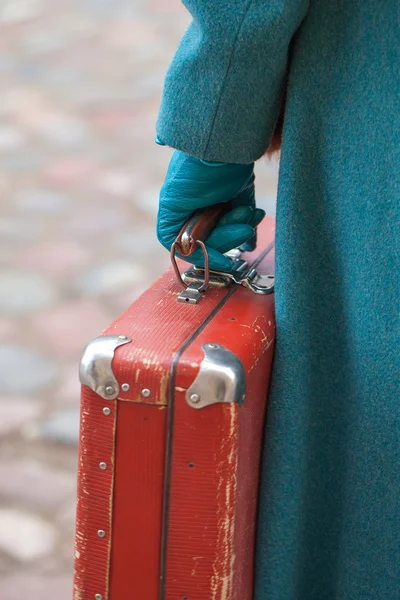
x=80, y=86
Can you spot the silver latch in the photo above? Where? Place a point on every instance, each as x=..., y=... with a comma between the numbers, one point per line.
x=221, y=378
x=95, y=369
x=192, y=293
x=241, y=273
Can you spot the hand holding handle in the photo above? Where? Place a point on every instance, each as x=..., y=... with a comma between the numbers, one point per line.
x=194, y=233
x=199, y=226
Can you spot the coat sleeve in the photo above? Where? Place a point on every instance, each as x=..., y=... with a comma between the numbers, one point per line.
x=224, y=87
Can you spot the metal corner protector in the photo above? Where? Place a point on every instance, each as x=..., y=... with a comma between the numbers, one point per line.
x=221, y=378
x=95, y=370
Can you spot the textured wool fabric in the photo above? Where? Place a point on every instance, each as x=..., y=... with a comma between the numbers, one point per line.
x=223, y=90
x=329, y=508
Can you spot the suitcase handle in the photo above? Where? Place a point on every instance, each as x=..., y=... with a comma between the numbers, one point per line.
x=199, y=226
x=194, y=233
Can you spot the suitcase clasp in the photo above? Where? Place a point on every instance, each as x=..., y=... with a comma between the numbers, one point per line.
x=241, y=273
x=197, y=280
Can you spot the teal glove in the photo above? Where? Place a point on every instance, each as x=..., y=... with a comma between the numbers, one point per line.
x=192, y=184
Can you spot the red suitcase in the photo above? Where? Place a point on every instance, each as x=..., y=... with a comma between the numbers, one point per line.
x=172, y=411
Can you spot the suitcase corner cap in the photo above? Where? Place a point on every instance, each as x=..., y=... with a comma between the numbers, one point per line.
x=95, y=370
x=221, y=378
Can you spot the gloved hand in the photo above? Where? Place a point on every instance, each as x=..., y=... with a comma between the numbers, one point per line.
x=191, y=184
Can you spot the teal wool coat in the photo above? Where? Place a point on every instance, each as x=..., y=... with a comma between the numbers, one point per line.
x=329, y=508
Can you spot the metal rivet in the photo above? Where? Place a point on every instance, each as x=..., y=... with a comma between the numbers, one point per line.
x=195, y=398
x=101, y=533
x=213, y=346
x=125, y=387
x=122, y=337
x=146, y=393
x=106, y=411
x=103, y=466
x=98, y=597
x=110, y=390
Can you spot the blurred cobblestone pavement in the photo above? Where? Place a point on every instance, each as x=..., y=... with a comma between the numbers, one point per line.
x=80, y=84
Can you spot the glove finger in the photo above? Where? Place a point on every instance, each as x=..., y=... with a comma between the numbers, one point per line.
x=240, y=214
x=221, y=240
x=168, y=228
x=216, y=260
x=243, y=214
x=234, y=229
x=257, y=216
x=250, y=244
x=226, y=237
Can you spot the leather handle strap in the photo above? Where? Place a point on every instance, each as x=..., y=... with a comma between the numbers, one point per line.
x=199, y=226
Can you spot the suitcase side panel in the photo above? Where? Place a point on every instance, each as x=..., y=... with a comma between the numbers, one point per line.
x=142, y=364
x=137, y=505
x=203, y=491
x=94, y=501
